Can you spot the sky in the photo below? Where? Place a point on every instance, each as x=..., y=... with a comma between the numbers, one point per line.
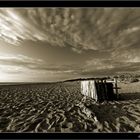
x=55, y=44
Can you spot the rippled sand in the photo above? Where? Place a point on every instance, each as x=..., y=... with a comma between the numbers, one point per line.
x=58, y=108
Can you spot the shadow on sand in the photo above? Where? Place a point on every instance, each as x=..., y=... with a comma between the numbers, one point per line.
x=110, y=114
x=129, y=96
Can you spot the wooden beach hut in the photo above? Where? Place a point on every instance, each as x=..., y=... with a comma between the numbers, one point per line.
x=99, y=89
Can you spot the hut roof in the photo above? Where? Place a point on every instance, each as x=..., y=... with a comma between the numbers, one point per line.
x=84, y=79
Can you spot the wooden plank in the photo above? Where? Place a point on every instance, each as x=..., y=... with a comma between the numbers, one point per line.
x=116, y=88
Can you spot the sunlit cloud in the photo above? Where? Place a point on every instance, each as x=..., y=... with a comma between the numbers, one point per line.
x=31, y=68
x=10, y=69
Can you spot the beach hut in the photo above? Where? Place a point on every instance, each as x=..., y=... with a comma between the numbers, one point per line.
x=99, y=89
x=88, y=88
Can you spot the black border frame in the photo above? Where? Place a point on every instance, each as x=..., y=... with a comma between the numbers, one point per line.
x=69, y=136
x=67, y=3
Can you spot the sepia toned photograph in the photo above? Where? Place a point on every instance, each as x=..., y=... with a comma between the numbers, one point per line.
x=69, y=70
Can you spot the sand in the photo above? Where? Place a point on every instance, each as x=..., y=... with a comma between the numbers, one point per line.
x=58, y=108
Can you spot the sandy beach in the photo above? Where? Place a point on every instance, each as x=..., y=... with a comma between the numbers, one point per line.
x=57, y=107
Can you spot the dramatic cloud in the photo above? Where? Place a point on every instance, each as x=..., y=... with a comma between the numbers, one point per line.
x=104, y=67
x=106, y=40
x=82, y=28
x=31, y=68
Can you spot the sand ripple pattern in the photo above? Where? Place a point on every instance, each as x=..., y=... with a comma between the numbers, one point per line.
x=58, y=108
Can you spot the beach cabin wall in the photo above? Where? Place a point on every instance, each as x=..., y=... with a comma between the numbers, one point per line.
x=105, y=91
x=88, y=88
x=99, y=90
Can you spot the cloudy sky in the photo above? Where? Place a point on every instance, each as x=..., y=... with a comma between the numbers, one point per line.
x=52, y=44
